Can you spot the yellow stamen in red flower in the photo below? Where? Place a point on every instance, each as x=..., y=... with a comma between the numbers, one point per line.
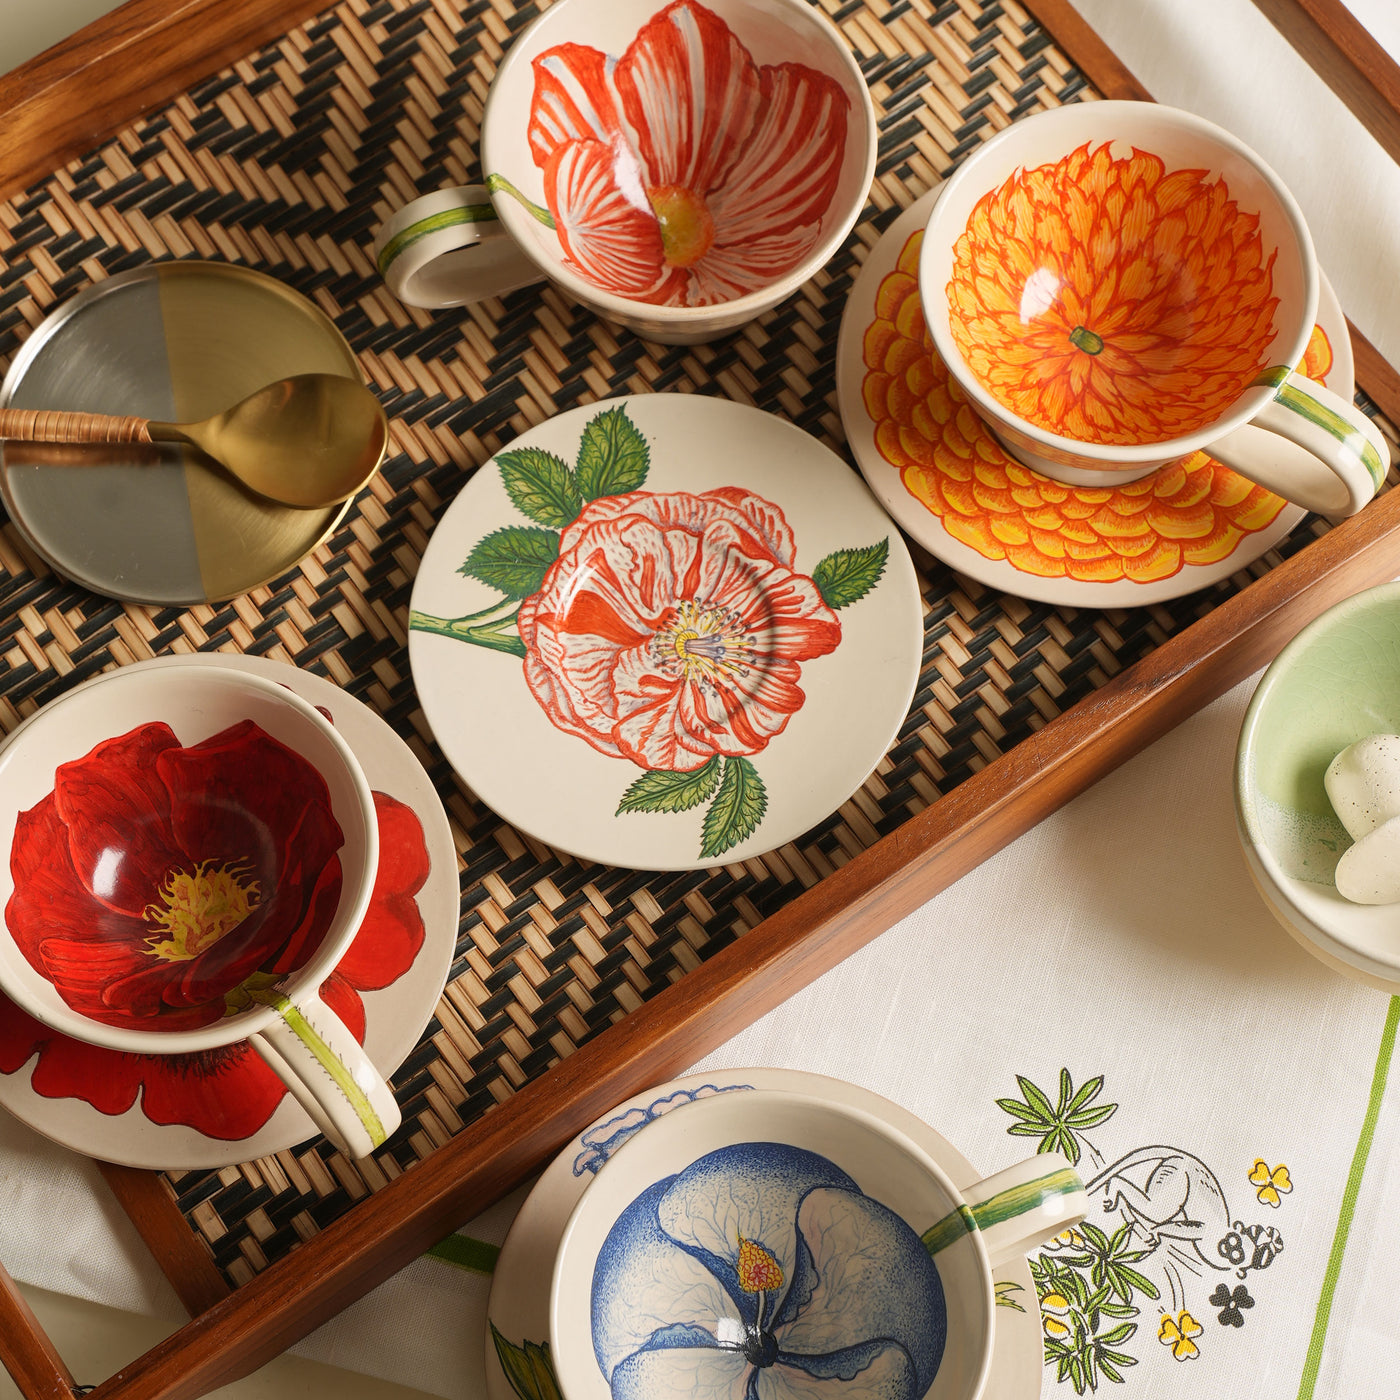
x=758, y=1270
x=199, y=907
x=687, y=228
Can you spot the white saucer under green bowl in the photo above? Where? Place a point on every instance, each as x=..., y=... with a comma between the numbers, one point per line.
x=1336, y=682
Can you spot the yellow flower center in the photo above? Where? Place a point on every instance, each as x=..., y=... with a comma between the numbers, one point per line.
x=687, y=228
x=700, y=643
x=758, y=1269
x=199, y=907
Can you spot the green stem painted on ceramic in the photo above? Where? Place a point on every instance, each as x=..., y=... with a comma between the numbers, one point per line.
x=1082, y=338
x=995, y=1210
x=333, y=1066
x=434, y=223
x=483, y=629
x=1348, y=1211
x=498, y=184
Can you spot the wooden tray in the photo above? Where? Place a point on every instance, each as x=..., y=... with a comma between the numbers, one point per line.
x=1044, y=700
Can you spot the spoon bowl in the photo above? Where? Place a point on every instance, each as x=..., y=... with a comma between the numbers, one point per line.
x=309, y=441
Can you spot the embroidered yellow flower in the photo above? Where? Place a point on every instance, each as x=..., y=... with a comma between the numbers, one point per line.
x=1066, y=1239
x=1269, y=1185
x=1054, y=1308
x=1177, y=1332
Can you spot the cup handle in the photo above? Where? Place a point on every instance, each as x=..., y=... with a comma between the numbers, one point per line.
x=1025, y=1205
x=450, y=248
x=309, y=1048
x=1332, y=458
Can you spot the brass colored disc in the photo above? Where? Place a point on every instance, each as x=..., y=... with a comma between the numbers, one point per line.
x=177, y=342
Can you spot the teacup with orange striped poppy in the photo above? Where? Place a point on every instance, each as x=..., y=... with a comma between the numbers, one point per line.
x=1116, y=285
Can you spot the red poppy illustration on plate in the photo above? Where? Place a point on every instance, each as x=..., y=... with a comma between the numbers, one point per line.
x=683, y=173
x=230, y=1093
x=665, y=628
x=154, y=879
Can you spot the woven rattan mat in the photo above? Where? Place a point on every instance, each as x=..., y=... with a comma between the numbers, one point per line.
x=288, y=161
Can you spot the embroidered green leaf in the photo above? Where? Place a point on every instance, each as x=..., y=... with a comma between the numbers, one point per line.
x=1093, y=1235
x=1017, y=1109
x=1088, y=1090
x=540, y=485
x=1035, y=1099
x=1091, y=1117
x=737, y=809
x=529, y=1369
x=513, y=559
x=613, y=457
x=848, y=575
x=1028, y=1130
x=1057, y=1125
x=671, y=792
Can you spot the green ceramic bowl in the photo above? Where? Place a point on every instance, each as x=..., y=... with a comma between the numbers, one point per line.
x=1336, y=682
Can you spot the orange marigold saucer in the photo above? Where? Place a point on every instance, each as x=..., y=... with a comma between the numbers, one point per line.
x=952, y=487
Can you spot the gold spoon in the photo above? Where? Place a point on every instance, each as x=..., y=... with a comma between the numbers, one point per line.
x=310, y=441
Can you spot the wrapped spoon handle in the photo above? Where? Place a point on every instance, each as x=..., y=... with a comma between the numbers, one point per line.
x=52, y=425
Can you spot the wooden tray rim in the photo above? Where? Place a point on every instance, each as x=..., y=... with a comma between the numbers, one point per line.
x=77, y=94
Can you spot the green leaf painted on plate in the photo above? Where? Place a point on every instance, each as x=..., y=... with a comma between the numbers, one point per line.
x=613, y=457
x=738, y=808
x=513, y=560
x=848, y=575
x=540, y=485
x=529, y=1370
x=658, y=791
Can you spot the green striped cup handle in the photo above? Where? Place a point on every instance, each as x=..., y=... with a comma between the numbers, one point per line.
x=449, y=248
x=1308, y=445
x=1016, y=1210
x=313, y=1052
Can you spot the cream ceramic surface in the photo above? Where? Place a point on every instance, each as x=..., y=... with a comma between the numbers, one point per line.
x=1206, y=291
x=395, y=1014
x=221, y=846
x=621, y=642
x=885, y=292
x=1337, y=682
x=693, y=194
x=786, y=1235
x=519, y=1312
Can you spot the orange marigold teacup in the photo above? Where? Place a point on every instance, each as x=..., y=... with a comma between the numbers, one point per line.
x=1116, y=285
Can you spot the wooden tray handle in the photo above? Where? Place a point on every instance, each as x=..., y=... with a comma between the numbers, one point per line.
x=50, y=425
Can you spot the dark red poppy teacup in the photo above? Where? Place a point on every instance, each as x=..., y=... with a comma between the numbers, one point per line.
x=189, y=856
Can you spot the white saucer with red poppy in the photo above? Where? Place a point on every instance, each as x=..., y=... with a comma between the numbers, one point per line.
x=941, y=474
x=518, y=1364
x=182, y=1112
x=665, y=632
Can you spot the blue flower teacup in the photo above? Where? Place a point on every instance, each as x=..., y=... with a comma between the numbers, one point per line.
x=775, y=1246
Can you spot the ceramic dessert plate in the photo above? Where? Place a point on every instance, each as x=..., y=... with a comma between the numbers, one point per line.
x=177, y=342
x=940, y=472
x=665, y=632
x=224, y=1105
x=518, y=1366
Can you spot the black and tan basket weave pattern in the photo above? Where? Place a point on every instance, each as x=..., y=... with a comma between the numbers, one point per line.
x=288, y=161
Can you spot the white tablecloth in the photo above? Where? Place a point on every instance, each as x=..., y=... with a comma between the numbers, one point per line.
x=1121, y=938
